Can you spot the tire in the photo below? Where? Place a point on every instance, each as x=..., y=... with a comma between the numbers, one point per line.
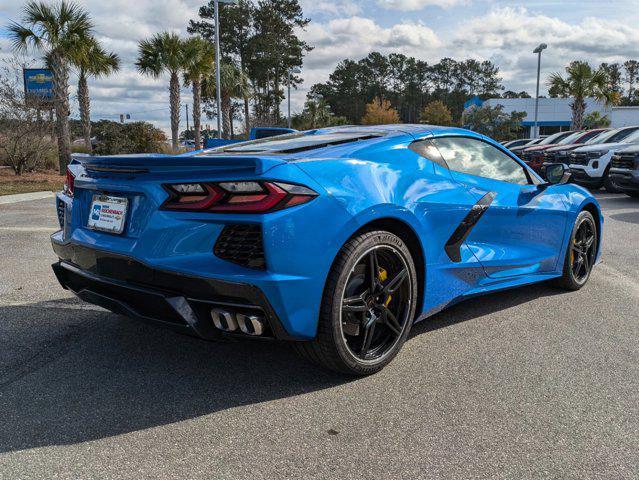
x=570, y=280
x=334, y=344
x=609, y=184
x=633, y=194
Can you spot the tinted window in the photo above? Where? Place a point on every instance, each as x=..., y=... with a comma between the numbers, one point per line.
x=479, y=158
x=295, y=142
x=628, y=135
x=557, y=137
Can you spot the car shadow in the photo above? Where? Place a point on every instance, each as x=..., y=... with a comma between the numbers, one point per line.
x=630, y=217
x=96, y=375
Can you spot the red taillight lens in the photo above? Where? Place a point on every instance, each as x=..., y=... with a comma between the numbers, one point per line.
x=68, y=183
x=236, y=197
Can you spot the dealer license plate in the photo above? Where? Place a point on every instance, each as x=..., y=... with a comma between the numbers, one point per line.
x=108, y=213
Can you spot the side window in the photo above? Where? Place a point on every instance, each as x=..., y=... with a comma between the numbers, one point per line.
x=426, y=149
x=467, y=155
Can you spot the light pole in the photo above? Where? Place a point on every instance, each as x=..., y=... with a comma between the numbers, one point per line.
x=290, y=72
x=218, y=88
x=538, y=50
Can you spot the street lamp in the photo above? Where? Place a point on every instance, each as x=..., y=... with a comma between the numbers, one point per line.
x=538, y=50
x=217, y=63
x=290, y=72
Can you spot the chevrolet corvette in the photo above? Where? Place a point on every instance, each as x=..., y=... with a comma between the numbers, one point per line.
x=337, y=240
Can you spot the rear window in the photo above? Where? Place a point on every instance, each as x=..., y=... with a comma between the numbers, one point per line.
x=294, y=142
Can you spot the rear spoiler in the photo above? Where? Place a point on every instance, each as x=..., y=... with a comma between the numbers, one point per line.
x=146, y=163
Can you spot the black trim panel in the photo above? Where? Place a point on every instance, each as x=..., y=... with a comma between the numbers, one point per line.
x=125, y=285
x=453, y=245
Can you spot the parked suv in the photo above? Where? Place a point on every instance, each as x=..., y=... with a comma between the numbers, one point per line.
x=517, y=150
x=560, y=153
x=534, y=156
x=624, y=170
x=590, y=164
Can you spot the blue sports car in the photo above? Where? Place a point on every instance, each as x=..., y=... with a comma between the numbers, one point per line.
x=335, y=239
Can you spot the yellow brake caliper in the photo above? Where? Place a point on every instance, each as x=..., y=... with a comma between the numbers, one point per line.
x=383, y=276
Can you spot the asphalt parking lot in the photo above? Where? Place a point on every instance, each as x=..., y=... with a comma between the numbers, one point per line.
x=529, y=383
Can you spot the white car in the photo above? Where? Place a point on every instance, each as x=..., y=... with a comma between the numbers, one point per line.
x=590, y=165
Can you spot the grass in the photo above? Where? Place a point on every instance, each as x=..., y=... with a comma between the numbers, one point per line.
x=29, y=182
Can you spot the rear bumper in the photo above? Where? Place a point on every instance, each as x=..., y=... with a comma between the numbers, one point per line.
x=181, y=302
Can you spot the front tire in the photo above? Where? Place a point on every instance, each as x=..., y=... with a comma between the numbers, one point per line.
x=609, y=183
x=581, y=253
x=368, y=306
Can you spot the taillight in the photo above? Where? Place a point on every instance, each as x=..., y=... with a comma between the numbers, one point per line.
x=236, y=197
x=68, y=183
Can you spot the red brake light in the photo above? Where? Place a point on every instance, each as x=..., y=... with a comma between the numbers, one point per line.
x=68, y=183
x=236, y=197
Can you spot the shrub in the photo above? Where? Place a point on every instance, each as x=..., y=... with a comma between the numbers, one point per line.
x=380, y=112
x=436, y=113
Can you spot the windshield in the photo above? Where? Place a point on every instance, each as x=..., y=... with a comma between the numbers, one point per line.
x=632, y=138
x=613, y=136
x=602, y=137
x=294, y=142
x=571, y=138
x=554, y=138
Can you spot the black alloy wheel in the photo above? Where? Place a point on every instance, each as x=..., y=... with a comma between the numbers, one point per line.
x=375, y=303
x=583, y=250
x=368, y=306
x=581, y=254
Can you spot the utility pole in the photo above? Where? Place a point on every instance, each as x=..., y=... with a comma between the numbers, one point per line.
x=290, y=72
x=538, y=50
x=218, y=87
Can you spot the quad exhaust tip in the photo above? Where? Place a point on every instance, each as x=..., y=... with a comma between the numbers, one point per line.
x=230, y=322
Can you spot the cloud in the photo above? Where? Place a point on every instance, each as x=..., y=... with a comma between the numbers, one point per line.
x=408, y=5
x=356, y=37
x=508, y=36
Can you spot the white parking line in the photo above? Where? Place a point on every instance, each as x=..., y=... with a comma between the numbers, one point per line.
x=24, y=197
x=30, y=229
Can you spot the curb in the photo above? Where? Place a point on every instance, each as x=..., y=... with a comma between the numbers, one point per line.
x=24, y=197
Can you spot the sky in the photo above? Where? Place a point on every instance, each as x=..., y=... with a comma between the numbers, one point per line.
x=504, y=32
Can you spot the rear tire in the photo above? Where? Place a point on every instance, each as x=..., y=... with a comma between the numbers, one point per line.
x=580, y=254
x=360, y=332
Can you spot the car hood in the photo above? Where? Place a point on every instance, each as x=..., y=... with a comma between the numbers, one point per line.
x=566, y=148
x=540, y=148
x=602, y=146
x=630, y=148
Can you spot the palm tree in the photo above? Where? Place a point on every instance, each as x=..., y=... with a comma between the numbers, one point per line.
x=199, y=61
x=234, y=84
x=91, y=60
x=580, y=83
x=57, y=30
x=164, y=52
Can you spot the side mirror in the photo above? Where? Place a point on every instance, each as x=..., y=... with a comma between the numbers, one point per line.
x=557, y=174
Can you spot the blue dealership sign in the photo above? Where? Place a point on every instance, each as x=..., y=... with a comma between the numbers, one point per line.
x=38, y=83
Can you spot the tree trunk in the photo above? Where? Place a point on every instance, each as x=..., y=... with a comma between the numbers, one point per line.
x=247, y=118
x=197, y=97
x=85, y=109
x=174, y=96
x=60, y=70
x=231, y=116
x=226, y=115
x=578, y=108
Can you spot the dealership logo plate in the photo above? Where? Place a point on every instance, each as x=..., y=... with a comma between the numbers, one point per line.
x=107, y=213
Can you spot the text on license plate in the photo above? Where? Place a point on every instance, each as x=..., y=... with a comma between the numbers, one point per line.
x=108, y=213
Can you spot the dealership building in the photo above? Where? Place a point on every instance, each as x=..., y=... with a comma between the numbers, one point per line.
x=555, y=113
